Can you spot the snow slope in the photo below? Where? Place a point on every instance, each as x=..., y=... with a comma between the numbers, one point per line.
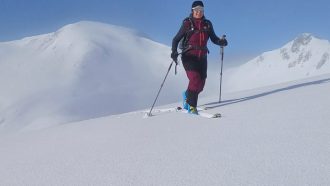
x=305, y=56
x=84, y=70
x=279, y=135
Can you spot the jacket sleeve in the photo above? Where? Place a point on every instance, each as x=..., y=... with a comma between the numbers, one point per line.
x=214, y=38
x=179, y=36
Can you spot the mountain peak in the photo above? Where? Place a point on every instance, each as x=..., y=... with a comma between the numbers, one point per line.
x=87, y=65
x=305, y=35
x=302, y=40
x=91, y=25
x=303, y=57
x=88, y=29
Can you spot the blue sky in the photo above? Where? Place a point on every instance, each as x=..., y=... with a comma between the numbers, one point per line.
x=252, y=27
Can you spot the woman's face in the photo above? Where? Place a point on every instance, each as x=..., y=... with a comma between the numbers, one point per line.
x=198, y=12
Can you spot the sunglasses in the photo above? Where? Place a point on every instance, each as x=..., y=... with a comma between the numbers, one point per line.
x=198, y=9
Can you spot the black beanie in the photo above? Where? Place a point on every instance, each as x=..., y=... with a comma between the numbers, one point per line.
x=197, y=3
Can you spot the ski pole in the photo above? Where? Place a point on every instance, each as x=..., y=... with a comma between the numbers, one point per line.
x=222, y=54
x=161, y=86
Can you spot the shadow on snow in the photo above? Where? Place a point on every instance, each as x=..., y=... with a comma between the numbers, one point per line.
x=212, y=105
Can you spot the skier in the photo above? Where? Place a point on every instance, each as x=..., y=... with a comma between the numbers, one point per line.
x=194, y=34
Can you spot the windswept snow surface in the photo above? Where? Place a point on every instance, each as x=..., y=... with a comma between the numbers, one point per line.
x=84, y=70
x=278, y=135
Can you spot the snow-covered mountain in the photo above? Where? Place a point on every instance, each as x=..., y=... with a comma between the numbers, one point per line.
x=83, y=70
x=304, y=57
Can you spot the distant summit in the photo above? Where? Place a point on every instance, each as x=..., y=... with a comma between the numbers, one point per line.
x=303, y=57
x=81, y=71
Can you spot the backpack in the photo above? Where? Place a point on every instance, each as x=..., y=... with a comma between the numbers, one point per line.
x=183, y=44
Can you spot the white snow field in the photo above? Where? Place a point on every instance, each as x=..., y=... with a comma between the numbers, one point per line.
x=279, y=135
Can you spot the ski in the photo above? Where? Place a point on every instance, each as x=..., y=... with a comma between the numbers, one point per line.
x=201, y=112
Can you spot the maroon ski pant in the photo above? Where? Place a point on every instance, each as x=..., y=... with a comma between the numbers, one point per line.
x=196, y=70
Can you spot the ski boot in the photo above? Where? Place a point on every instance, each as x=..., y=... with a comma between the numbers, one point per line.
x=192, y=110
x=185, y=105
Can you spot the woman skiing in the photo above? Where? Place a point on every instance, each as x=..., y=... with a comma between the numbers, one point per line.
x=194, y=34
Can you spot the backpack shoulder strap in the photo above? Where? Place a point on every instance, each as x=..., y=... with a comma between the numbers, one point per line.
x=188, y=34
x=191, y=23
x=208, y=23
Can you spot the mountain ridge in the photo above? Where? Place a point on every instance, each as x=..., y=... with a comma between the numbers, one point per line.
x=86, y=69
x=305, y=56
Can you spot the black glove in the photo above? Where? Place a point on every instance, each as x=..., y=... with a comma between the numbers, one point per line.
x=174, y=56
x=223, y=42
